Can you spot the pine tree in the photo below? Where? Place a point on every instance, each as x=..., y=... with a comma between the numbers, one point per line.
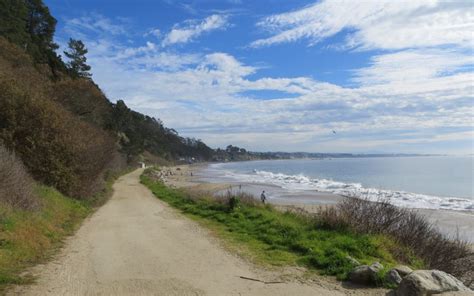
x=77, y=56
x=29, y=24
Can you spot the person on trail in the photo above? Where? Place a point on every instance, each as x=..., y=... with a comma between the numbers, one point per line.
x=263, y=197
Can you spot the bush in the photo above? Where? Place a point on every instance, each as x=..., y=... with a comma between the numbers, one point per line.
x=16, y=185
x=405, y=226
x=84, y=99
x=58, y=149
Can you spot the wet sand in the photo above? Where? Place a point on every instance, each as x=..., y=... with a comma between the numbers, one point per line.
x=451, y=223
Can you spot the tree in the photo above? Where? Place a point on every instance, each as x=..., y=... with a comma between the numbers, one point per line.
x=77, y=56
x=29, y=24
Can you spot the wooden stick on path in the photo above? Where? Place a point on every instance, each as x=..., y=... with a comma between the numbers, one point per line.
x=257, y=280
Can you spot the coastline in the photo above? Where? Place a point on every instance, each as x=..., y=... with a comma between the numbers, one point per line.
x=451, y=223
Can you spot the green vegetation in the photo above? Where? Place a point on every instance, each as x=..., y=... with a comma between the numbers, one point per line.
x=279, y=238
x=29, y=24
x=28, y=237
x=34, y=219
x=77, y=56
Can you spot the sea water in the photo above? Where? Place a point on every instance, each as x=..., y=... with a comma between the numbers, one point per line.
x=429, y=182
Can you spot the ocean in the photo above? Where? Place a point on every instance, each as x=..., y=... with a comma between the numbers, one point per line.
x=425, y=182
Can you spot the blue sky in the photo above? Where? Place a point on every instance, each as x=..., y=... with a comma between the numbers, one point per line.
x=387, y=76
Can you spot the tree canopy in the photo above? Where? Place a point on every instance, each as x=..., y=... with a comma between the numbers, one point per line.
x=77, y=59
x=29, y=24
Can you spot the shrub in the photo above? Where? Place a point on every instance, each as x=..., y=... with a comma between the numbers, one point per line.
x=58, y=149
x=16, y=185
x=83, y=98
x=405, y=226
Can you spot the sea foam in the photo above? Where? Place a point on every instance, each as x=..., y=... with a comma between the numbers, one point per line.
x=294, y=183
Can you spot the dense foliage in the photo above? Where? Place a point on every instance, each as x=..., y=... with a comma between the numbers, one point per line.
x=56, y=147
x=29, y=24
x=57, y=120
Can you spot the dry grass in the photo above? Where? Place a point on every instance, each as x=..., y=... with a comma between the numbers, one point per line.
x=405, y=226
x=16, y=185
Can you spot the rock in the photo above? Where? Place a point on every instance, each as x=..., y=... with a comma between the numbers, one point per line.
x=361, y=275
x=365, y=274
x=393, y=277
x=403, y=270
x=376, y=266
x=428, y=282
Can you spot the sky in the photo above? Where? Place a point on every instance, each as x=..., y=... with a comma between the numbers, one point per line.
x=384, y=76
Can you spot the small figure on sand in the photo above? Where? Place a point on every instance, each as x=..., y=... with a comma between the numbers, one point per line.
x=263, y=197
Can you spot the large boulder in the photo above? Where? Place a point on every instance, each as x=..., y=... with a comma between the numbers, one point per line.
x=403, y=270
x=365, y=274
x=429, y=282
x=393, y=277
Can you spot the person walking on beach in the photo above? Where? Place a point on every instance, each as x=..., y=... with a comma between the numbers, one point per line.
x=263, y=197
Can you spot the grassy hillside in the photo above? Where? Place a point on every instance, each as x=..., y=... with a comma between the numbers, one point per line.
x=29, y=237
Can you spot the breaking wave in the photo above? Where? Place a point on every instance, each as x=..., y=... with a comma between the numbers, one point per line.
x=398, y=198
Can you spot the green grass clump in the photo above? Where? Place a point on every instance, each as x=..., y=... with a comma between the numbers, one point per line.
x=279, y=238
x=28, y=237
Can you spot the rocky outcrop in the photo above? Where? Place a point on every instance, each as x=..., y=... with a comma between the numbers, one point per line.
x=403, y=270
x=365, y=274
x=429, y=282
x=393, y=277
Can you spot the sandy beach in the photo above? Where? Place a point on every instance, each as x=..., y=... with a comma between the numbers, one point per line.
x=451, y=223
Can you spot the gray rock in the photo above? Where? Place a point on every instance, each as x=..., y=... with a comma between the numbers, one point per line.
x=376, y=266
x=429, y=282
x=403, y=270
x=393, y=277
x=361, y=274
x=365, y=274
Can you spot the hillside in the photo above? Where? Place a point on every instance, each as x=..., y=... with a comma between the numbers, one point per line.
x=62, y=141
x=60, y=124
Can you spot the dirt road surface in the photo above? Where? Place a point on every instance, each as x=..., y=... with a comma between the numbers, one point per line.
x=137, y=245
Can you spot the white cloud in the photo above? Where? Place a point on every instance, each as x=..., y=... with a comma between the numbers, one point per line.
x=153, y=32
x=412, y=66
x=384, y=24
x=192, y=29
x=95, y=23
x=424, y=92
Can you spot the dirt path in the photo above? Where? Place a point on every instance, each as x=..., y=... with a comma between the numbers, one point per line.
x=137, y=245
